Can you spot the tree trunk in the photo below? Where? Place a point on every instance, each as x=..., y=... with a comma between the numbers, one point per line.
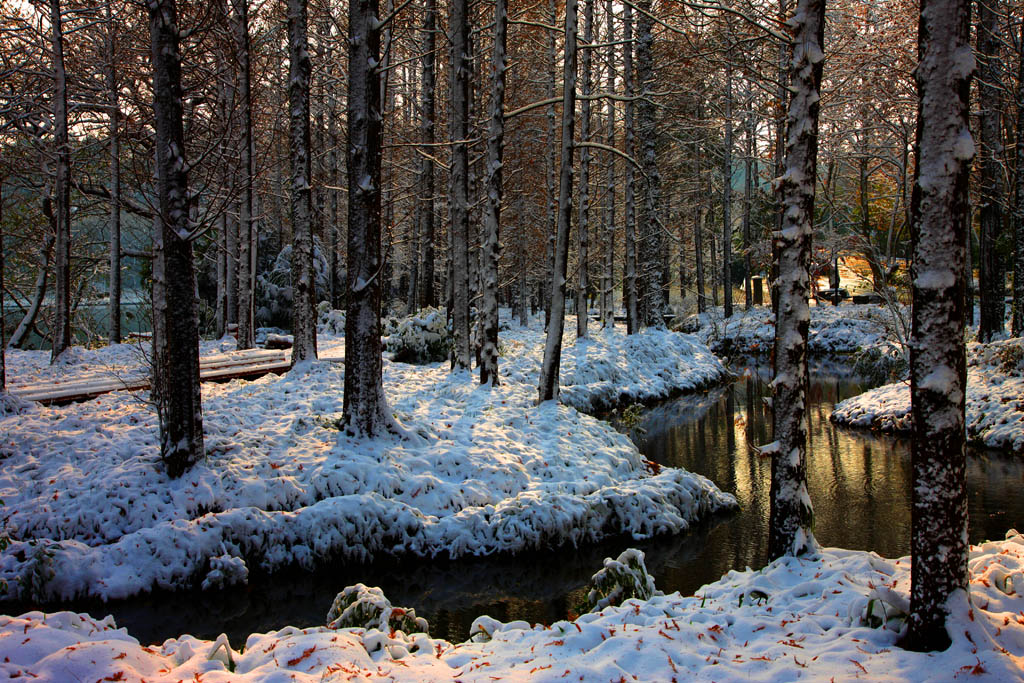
x=782, y=97
x=62, y=190
x=608, y=227
x=459, y=134
x=303, y=282
x=583, y=222
x=748, y=194
x=3, y=317
x=114, y=125
x=175, y=305
x=548, y=389
x=990, y=212
x=550, y=168
x=650, y=248
x=727, y=186
x=790, y=521
x=244, y=179
x=221, y=308
x=365, y=407
x=492, y=205
x=1018, y=214
x=938, y=375
x=428, y=297
x=630, y=293
x=698, y=218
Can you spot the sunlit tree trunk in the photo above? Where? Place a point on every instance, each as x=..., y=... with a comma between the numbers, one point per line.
x=790, y=516
x=938, y=374
x=548, y=389
x=175, y=304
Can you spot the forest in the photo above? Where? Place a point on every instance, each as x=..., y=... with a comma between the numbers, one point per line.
x=295, y=285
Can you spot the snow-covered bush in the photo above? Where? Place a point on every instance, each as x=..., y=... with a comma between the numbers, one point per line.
x=362, y=606
x=420, y=338
x=274, y=287
x=329, y=321
x=225, y=570
x=621, y=579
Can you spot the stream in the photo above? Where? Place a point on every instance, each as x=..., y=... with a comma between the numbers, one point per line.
x=859, y=485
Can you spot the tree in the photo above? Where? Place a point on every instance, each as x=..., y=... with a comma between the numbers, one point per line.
x=114, y=127
x=1018, y=214
x=938, y=375
x=548, y=389
x=62, y=189
x=459, y=133
x=649, y=224
x=630, y=294
x=583, y=223
x=175, y=307
x=425, y=205
x=303, y=286
x=492, y=205
x=990, y=274
x=245, y=176
x=365, y=409
x=790, y=520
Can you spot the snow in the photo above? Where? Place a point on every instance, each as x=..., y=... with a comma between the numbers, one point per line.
x=481, y=470
x=839, y=614
x=995, y=399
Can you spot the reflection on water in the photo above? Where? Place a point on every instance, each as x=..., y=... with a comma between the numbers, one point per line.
x=859, y=485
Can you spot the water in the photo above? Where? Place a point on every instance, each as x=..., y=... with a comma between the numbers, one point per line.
x=859, y=485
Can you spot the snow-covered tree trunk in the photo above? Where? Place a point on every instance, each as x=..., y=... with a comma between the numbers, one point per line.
x=727, y=185
x=790, y=523
x=425, y=205
x=608, y=221
x=303, y=283
x=113, y=128
x=365, y=407
x=781, y=100
x=492, y=205
x=175, y=304
x=244, y=179
x=990, y=213
x=650, y=248
x=1018, y=213
x=629, y=294
x=938, y=374
x=698, y=220
x=548, y=389
x=62, y=189
x=459, y=209
x=583, y=222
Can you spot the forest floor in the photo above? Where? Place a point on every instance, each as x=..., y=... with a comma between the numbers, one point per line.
x=475, y=470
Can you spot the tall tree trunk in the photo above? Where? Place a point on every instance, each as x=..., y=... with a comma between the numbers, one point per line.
x=459, y=134
x=175, y=305
x=3, y=317
x=651, y=304
x=244, y=178
x=748, y=194
x=62, y=190
x=492, y=205
x=303, y=282
x=608, y=227
x=698, y=220
x=221, y=309
x=365, y=407
x=113, y=127
x=550, y=168
x=938, y=375
x=990, y=213
x=630, y=294
x=727, y=186
x=583, y=222
x=1018, y=214
x=428, y=297
x=790, y=523
x=548, y=389
x=782, y=97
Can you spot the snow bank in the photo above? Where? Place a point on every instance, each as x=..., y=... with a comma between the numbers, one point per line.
x=839, y=615
x=482, y=470
x=995, y=399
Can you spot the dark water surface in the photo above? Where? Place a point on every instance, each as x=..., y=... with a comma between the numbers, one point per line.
x=859, y=486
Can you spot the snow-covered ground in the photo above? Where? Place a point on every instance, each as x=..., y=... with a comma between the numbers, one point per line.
x=995, y=399
x=480, y=470
x=847, y=328
x=836, y=616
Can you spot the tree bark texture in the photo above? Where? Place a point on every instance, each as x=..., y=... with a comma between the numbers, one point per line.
x=651, y=245
x=365, y=407
x=630, y=295
x=990, y=193
x=428, y=296
x=727, y=186
x=244, y=178
x=938, y=375
x=303, y=282
x=62, y=190
x=459, y=134
x=1018, y=214
x=583, y=222
x=791, y=514
x=608, y=222
x=175, y=304
x=548, y=389
x=113, y=128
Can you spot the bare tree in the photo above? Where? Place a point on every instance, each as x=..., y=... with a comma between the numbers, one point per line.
x=245, y=176
x=938, y=372
x=114, y=128
x=790, y=522
x=462, y=71
x=62, y=189
x=548, y=389
x=365, y=407
x=990, y=213
x=583, y=223
x=425, y=206
x=630, y=294
x=175, y=306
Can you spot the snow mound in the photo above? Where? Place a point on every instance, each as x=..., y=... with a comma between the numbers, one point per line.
x=995, y=399
x=481, y=470
x=837, y=615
